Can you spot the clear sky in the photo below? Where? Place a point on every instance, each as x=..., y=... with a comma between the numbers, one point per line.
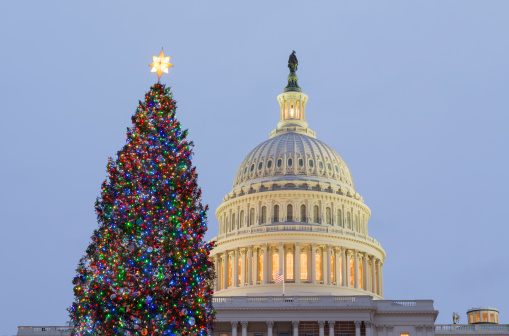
x=412, y=94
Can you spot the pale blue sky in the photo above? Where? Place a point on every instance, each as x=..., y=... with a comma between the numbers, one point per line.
x=412, y=94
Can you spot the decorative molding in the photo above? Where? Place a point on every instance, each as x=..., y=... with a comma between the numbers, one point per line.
x=270, y=324
x=295, y=324
x=321, y=324
x=244, y=324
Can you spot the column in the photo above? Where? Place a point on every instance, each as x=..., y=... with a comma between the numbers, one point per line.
x=337, y=268
x=344, y=280
x=389, y=330
x=270, y=324
x=331, y=328
x=365, y=272
x=216, y=283
x=357, y=328
x=313, y=263
x=381, y=279
x=378, y=278
x=282, y=258
x=256, y=271
x=418, y=328
x=321, y=324
x=225, y=270
x=265, y=264
x=244, y=265
x=328, y=263
x=356, y=268
x=379, y=330
x=368, y=327
x=373, y=275
x=250, y=265
x=295, y=325
x=297, y=263
x=235, y=279
x=234, y=328
x=244, y=328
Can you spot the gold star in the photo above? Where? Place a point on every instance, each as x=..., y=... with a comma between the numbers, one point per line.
x=161, y=64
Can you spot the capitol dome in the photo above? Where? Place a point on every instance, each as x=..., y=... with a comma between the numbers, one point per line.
x=293, y=222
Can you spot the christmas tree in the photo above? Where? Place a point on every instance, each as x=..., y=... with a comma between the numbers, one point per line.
x=147, y=271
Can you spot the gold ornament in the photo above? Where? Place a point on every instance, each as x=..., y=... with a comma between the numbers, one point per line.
x=161, y=64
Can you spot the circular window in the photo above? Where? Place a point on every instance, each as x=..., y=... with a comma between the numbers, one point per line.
x=337, y=170
x=311, y=163
x=329, y=166
x=279, y=163
x=252, y=167
x=320, y=164
x=301, y=163
x=290, y=162
x=269, y=164
x=260, y=165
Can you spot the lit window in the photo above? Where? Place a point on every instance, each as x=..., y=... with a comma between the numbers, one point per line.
x=289, y=213
x=269, y=164
x=264, y=214
x=315, y=214
x=260, y=267
x=276, y=213
x=275, y=265
x=327, y=216
x=289, y=266
x=471, y=318
x=301, y=163
x=492, y=319
x=304, y=266
x=352, y=273
x=239, y=270
x=318, y=264
x=303, y=213
x=230, y=271
x=360, y=274
x=310, y=163
x=279, y=163
x=404, y=334
x=332, y=267
x=485, y=317
x=477, y=317
x=260, y=165
x=290, y=162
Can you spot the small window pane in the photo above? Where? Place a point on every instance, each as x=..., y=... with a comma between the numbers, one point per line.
x=269, y=164
x=252, y=167
x=320, y=164
x=279, y=163
x=310, y=163
x=301, y=163
x=260, y=165
x=329, y=166
x=337, y=170
x=290, y=162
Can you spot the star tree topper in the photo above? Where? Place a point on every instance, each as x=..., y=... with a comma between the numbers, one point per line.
x=161, y=64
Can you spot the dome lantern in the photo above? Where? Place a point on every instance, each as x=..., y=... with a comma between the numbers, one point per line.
x=292, y=103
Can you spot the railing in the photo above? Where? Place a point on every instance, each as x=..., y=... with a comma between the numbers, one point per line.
x=44, y=330
x=470, y=328
x=318, y=300
x=297, y=227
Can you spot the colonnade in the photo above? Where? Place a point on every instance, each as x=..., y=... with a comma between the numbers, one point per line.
x=300, y=263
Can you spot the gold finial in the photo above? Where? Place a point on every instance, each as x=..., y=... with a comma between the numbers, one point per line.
x=161, y=64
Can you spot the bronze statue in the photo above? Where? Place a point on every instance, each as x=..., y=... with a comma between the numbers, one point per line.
x=292, y=62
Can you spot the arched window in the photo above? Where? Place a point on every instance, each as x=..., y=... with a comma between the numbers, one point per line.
x=230, y=271
x=315, y=214
x=275, y=265
x=251, y=217
x=318, y=264
x=304, y=266
x=227, y=224
x=289, y=266
x=357, y=223
x=348, y=221
x=240, y=273
x=303, y=213
x=241, y=219
x=269, y=164
x=332, y=267
x=328, y=219
x=289, y=213
x=264, y=214
x=276, y=214
x=339, y=219
x=290, y=162
x=260, y=267
x=352, y=273
x=233, y=222
x=310, y=163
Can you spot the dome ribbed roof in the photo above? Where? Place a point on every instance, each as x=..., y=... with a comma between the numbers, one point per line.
x=293, y=156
